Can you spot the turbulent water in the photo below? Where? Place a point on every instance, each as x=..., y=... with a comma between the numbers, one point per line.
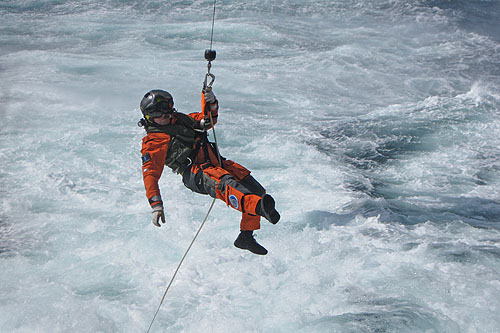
x=374, y=124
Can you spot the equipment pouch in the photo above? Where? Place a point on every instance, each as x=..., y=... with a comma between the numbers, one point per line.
x=178, y=155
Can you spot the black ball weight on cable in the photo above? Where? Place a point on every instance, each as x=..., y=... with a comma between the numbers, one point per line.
x=210, y=54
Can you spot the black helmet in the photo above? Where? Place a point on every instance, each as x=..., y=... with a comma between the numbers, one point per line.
x=155, y=103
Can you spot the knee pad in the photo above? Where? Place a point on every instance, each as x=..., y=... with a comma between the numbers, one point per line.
x=237, y=195
x=234, y=198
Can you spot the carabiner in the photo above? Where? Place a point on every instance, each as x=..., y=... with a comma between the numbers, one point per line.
x=209, y=85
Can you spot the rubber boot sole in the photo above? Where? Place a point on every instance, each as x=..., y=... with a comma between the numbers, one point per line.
x=250, y=245
x=270, y=213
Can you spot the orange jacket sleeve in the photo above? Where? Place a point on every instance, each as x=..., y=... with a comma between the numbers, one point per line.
x=154, y=152
x=214, y=110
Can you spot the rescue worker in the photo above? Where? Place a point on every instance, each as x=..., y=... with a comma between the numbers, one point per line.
x=180, y=142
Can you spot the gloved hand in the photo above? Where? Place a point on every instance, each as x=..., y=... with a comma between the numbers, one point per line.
x=157, y=214
x=209, y=96
x=205, y=123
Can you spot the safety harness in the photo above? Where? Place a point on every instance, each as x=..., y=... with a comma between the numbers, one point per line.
x=187, y=137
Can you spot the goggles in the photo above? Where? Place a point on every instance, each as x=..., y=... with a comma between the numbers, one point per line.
x=159, y=109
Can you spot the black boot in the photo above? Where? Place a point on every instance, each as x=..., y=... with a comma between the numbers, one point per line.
x=246, y=241
x=265, y=208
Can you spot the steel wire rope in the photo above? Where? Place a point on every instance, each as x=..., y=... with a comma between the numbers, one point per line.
x=213, y=22
x=209, y=209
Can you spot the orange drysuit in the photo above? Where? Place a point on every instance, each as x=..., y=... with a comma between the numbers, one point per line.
x=231, y=182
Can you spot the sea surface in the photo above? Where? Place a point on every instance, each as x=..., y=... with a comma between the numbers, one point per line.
x=375, y=124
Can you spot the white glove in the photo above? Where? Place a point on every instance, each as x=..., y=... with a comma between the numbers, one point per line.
x=209, y=96
x=157, y=214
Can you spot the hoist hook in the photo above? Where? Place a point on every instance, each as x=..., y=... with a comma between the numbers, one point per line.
x=209, y=56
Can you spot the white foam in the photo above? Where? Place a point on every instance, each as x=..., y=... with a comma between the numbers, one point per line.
x=301, y=86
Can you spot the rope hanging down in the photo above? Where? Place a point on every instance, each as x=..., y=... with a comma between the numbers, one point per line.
x=209, y=56
x=180, y=263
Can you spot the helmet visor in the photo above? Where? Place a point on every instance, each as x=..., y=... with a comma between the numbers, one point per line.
x=158, y=109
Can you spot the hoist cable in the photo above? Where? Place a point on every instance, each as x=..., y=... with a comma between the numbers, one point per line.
x=213, y=22
x=209, y=209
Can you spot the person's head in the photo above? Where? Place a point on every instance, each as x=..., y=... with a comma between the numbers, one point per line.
x=157, y=107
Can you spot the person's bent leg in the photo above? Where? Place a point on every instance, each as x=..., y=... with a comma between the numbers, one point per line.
x=249, y=222
x=229, y=190
x=246, y=196
x=266, y=206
